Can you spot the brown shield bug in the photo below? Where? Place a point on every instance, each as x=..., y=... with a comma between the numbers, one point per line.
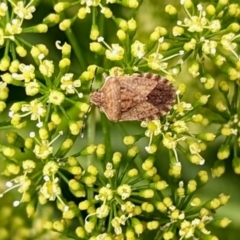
x=134, y=97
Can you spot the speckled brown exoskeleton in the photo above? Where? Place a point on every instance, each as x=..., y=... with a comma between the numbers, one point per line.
x=134, y=97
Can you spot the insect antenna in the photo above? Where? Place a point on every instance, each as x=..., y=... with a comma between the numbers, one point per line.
x=85, y=117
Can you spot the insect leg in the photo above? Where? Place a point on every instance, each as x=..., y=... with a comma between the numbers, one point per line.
x=85, y=117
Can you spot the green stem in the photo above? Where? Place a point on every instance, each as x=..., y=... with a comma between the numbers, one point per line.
x=234, y=103
x=107, y=138
x=76, y=48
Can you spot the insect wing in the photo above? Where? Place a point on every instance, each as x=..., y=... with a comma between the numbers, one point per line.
x=112, y=96
x=141, y=84
x=142, y=111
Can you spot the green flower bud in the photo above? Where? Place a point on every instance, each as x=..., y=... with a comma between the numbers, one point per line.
x=94, y=34
x=29, y=143
x=197, y=118
x=129, y=140
x=117, y=156
x=31, y=208
x=132, y=173
x=187, y=3
x=168, y=235
x=182, y=88
x=189, y=46
x=147, y=207
x=39, y=49
x=167, y=201
x=210, y=9
x=40, y=28
x=75, y=170
x=84, y=205
x=208, y=81
x=97, y=47
x=201, y=178
x=193, y=68
x=223, y=87
x=152, y=225
x=161, y=207
x=219, y=60
x=4, y=93
x=88, y=150
x=223, y=198
x=130, y=234
x=74, y=184
x=7, y=151
x=100, y=152
x=236, y=165
x=80, y=232
x=232, y=73
x=70, y=214
x=64, y=63
x=171, y=10
x=55, y=118
x=75, y=127
x=132, y=25
x=5, y=63
x=51, y=20
x=223, y=152
x=137, y=225
x=87, y=76
x=206, y=136
x=222, y=222
x=132, y=152
x=213, y=204
x=72, y=161
x=65, y=24
x=234, y=27
x=3, y=105
x=203, y=99
x=21, y=51
x=148, y=193
x=66, y=50
x=195, y=202
x=180, y=191
x=130, y=3
x=92, y=169
x=43, y=133
x=58, y=226
x=12, y=168
x=83, y=107
x=61, y=6
x=191, y=187
x=164, y=46
x=82, y=12
x=226, y=130
x=159, y=185
x=148, y=163
x=121, y=35
x=177, y=31
x=14, y=66
x=122, y=24
x=107, y=12
x=218, y=169
x=67, y=144
x=233, y=10
x=175, y=214
x=175, y=170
